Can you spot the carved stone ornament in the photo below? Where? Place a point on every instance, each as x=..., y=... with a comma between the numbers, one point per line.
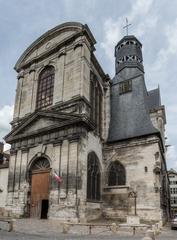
x=21, y=74
x=48, y=45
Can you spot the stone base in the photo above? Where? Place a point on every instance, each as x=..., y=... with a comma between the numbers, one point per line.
x=133, y=220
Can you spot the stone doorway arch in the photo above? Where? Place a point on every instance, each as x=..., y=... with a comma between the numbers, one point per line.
x=39, y=180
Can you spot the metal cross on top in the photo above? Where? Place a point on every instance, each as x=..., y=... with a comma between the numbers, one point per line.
x=127, y=26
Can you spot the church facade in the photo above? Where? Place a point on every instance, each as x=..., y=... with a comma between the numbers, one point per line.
x=103, y=138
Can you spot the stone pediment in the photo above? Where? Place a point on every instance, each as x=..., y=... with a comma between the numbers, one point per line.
x=41, y=122
x=51, y=40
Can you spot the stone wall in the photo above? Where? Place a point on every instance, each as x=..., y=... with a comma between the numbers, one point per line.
x=72, y=77
x=3, y=185
x=139, y=159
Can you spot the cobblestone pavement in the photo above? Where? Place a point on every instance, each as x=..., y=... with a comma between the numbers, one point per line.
x=21, y=236
x=32, y=229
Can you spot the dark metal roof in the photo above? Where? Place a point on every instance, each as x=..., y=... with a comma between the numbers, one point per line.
x=130, y=111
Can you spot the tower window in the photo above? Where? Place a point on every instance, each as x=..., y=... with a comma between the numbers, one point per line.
x=45, y=87
x=146, y=169
x=125, y=87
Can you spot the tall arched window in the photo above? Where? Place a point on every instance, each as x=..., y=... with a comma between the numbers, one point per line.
x=93, y=177
x=96, y=102
x=116, y=174
x=45, y=87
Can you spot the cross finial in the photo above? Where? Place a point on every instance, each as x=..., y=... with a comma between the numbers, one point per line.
x=127, y=26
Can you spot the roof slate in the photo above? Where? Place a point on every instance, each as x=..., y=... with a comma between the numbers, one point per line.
x=130, y=111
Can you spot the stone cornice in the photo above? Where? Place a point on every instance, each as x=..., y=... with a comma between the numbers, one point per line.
x=59, y=106
x=62, y=121
x=132, y=142
x=79, y=29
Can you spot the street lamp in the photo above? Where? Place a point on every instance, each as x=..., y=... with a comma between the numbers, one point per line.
x=133, y=194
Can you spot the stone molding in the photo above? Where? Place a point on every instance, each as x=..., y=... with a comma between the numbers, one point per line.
x=62, y=120
x=132, y=143
x=80, y=30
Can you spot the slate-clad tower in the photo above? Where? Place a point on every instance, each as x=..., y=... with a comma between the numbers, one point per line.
x=129, y=108
x=134, y=153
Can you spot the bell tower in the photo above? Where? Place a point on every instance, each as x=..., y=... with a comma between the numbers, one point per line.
x=129, y=108
x=128, y=54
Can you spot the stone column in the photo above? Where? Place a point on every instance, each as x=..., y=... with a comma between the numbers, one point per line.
x=64, y=169
x=32, y=92
x=34, y=78
x=59, y=77
x=22, y=182
x=72, y=199
x=17, y=172
x=11, y=178
x=56, y=165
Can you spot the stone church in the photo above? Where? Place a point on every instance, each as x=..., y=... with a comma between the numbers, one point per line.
x=103, y=137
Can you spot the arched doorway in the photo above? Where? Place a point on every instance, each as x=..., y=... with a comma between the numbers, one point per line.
x=39, y=177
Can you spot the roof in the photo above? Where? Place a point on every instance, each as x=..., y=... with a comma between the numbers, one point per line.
x=153, y=99
x=129, y=37
x=172, y=171
x=130, y=112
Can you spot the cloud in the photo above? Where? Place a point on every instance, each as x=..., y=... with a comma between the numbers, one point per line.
x=113, y=28
x=169, y=50
x=140, y=7
x=112, y=34
x=6, y=114
x=146, y=25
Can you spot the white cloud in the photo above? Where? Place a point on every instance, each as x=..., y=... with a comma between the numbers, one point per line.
x=6, y=114
x=140, y=7
x=112, y=31
x=170, y=50
x=147, y=24
x=139, y=14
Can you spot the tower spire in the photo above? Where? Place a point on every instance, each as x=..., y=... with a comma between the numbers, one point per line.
x=127, y=26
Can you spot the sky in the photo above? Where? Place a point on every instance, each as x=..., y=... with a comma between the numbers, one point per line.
x=153, y=22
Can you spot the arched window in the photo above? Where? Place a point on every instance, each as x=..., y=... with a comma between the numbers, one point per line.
x=45, y=87
x=93, y=177
x=40, y=164
x=116, y=174
x=96, y=100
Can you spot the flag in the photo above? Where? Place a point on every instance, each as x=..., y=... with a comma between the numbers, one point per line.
x=57, y=178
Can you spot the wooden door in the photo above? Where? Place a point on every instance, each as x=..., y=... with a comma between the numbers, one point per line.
x=39, y=191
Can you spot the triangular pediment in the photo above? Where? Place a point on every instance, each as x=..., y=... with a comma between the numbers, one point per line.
x=41, y=122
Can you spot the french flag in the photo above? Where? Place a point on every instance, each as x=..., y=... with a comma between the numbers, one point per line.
x=58, y=178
